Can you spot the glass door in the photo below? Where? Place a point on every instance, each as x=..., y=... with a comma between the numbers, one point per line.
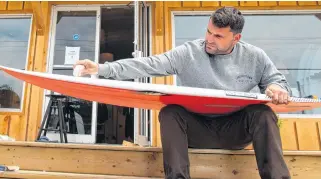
x=74, y=36
x=141, y=48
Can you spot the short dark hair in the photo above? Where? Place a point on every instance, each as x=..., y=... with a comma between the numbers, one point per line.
x=228, y=17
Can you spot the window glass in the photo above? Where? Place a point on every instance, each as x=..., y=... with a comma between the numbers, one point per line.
x=14, y=42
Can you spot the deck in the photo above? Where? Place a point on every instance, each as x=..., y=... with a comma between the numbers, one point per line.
x=52, y=160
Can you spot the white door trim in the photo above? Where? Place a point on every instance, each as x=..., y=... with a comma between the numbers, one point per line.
x=77, y=138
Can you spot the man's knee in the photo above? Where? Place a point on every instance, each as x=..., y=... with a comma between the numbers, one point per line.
x=261, y=113
x=169, y=111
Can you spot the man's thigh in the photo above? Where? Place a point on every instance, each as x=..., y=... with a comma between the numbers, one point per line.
x=223, y=132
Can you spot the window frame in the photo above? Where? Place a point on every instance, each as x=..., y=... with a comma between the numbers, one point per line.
x=244, y=12
x=23, y=96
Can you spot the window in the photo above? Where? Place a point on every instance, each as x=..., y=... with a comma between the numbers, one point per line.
x=14, y=44
x=292, y=41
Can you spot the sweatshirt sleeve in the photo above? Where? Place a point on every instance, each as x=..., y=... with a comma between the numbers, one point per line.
x=168, y=63
x=272, y=76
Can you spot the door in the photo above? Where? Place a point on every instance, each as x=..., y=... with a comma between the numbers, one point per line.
x=74, y=36
x=141, y=48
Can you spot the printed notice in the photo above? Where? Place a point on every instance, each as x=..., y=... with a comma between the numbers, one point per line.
x=72, y=55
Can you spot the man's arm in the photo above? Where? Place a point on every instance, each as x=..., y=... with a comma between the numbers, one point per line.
x=165, y=64
x=273, y=83
x=272, y=76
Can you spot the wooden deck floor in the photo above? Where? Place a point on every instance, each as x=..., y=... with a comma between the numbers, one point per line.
x=144, y=162
x=58, y=175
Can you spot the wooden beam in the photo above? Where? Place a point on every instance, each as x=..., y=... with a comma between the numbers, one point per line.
x=268, y=3
x=307, y=3
x=230, y=3
x=27, y=5
x=249, y=3
x=3, y=5
x=25, y=174
x=288, y=3
x=210, y=3
x=191, y=3
x=37, y=11
x=143, y=162
x=15, y=5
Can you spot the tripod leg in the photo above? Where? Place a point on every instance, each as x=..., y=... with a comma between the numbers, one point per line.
x=63, y=124
x=45, y=119
x=60, y=114
x=49, y=118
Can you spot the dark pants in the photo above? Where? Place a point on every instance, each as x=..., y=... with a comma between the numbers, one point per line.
x=181, y=129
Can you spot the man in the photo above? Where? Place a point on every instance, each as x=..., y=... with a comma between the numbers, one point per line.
x=106, y=54
x=221, y=61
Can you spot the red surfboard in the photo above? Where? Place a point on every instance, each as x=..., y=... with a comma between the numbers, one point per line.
x=155, y=96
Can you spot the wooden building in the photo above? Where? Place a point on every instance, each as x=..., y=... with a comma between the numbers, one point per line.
x=37, y=36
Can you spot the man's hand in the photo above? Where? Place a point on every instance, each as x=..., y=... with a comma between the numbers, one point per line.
x=90, y=67
x=278, y=94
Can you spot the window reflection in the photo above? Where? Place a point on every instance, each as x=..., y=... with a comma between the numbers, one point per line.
x=14, y=41
x=75, y=29
x=293, y=43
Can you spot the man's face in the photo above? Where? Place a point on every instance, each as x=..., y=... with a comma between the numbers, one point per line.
x=220, y=40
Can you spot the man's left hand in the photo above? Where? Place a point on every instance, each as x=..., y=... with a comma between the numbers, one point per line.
x=278, y=94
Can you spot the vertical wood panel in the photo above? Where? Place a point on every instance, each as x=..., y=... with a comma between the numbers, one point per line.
x=308, y=135
x=248, y=3
x=25, y=126
x=35, y=114
x=14, y=127
x=319, y=133
x=157, y=131
x=287, y=3
x=15, y=5
x=3, y=5
x=23, y=118
x=40, y=65
x=268, y=3
x=27, y=5
x=319, y=2
x=159, y=48
x=173, y=3
x=33, y=117
x=191, y=3
x=168, y=35
x=229, y=3
x=307, y=3
x=4, y=124
x=288, y=135
x=210, y=3
x=46, y=10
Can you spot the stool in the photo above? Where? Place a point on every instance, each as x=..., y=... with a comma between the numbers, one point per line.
x=55, y=103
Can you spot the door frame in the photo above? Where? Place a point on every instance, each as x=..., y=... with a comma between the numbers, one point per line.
x=51, y=43
x=143, y=36
x=78, y=138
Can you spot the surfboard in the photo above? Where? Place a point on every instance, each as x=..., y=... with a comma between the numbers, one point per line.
x=155, y=96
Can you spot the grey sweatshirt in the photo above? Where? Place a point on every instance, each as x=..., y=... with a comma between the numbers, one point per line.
x=245, y=68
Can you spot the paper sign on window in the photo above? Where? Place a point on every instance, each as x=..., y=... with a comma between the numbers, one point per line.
x=71, y=55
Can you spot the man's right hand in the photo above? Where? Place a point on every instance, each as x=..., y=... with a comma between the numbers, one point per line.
x=90, y=67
